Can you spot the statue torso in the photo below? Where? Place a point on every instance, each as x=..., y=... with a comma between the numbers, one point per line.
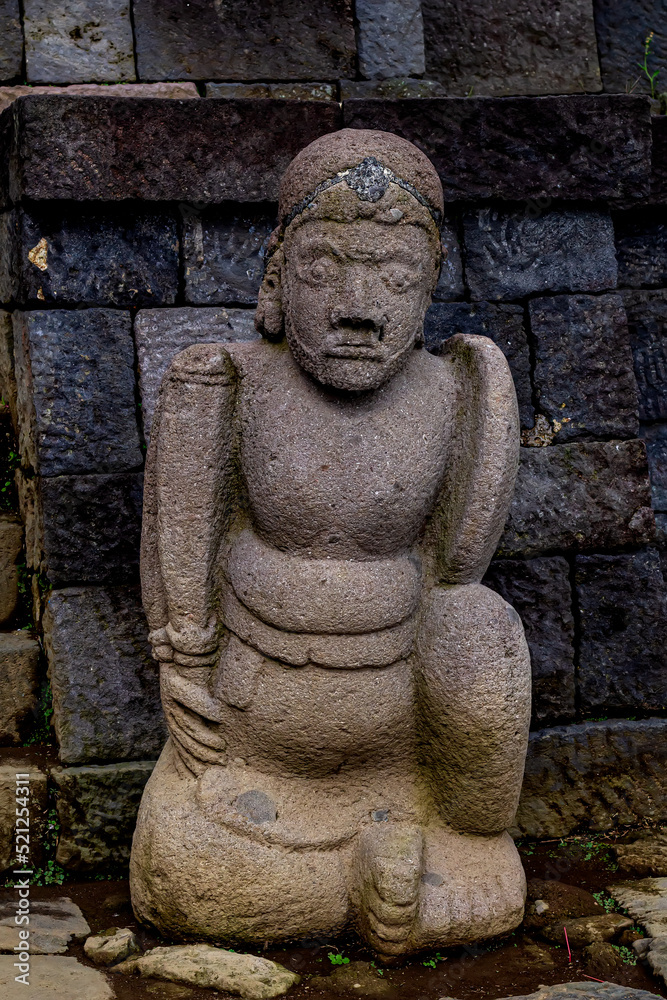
x=332, y=476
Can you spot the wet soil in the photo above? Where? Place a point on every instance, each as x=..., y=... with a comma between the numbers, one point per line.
x=500, y=968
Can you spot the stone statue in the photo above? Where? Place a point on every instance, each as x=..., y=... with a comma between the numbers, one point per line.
x=348, y=706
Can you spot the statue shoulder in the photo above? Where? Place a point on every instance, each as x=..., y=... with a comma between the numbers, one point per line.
x=218, y=360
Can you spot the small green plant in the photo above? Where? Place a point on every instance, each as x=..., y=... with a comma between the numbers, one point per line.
x=432, y=962
x=626, y=954
x=338, y=959
x=380, y=972
x=605, y=900
x=651, y=77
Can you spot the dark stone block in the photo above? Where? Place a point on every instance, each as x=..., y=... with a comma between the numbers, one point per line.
x=594, y=776
x=224, y=254
x=655, y=436
x=512, y=47
x=623, y=646
x=106, y=689
x=161, y=333
x=390, y=38
x=8, y=255
x=11, y=50
x=584, y=376
x=244, y=40
x=502, y=323
x=512, y=254
x=110, y=148
x=582, y=496
x=97, y=812
x=622, y=27
x=524, y=148
x=450, y=282
x=121, y=256
x=75, y=377
x=659, y=159
x=79, y=42
x=647, y=323
x=539, y=589
x=90, y=528
x=641, y=248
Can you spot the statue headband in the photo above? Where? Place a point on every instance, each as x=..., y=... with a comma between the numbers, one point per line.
x=369, y=180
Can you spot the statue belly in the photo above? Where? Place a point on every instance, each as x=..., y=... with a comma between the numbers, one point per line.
x=313, y=720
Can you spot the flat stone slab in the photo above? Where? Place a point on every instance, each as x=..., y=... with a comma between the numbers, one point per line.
x=646, y=901
x=53, y=978
x=584, y=991
x=248, y=976
x=646, y=856
x=54, y=924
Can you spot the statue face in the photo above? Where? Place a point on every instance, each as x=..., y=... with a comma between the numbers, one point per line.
x=354, y=295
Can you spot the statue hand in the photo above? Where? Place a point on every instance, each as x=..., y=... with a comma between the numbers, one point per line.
x=190, y=645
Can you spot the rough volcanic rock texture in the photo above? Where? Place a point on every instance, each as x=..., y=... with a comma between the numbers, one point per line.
x=584, y=378
x=19, y=682
x=97, y=811
x=82, y=41
x=390, y=38
x=224, y=254
x=502, y=323
x=596, y=776
x=641, y=247
x=580, y=497
x=87, y=528
x=97, y=256
x=647, y=323
x=539, y=589
x=552, y=147
x=115, y=148
x=518, y=47
x=241, y=40
x=622, y=27
x=106, y=698
x=623, y=643
x=513, y=254
x=75, y=375
x=11, y=52
x=655, y=436
x=162, y=333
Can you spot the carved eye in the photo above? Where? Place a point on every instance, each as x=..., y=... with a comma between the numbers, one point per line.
x=320, y=272
x=398, y=277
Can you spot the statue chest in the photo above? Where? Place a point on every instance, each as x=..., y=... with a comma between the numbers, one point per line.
x=341, y=477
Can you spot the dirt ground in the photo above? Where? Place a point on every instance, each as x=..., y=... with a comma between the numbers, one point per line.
x=498, y=968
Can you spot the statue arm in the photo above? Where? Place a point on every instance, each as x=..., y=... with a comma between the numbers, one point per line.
x=187, y=502
x=484, y=458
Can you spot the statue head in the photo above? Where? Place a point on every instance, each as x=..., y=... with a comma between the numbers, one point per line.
x=355, y=259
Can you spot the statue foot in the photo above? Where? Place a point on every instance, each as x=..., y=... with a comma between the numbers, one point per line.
x=391, y=863
x=472, y=887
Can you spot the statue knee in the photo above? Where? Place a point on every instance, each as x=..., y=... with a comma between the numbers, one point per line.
x=473, y=679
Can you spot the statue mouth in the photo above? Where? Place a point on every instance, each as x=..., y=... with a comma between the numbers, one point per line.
x=356, y=352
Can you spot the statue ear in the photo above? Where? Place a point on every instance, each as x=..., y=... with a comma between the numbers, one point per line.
x=269, y=319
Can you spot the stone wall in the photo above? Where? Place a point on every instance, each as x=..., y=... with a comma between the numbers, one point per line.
x=130, y=228
x=347, y=48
